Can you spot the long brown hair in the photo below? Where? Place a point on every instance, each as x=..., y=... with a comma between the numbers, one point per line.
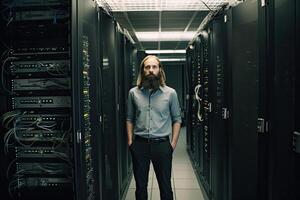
x=161, y=74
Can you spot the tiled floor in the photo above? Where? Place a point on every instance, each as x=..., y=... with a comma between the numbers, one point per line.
x=184, y=182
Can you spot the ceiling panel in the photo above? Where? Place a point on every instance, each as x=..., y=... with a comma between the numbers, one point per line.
x=174, y=45
x=144, y=21
x=150, y=45
x=149, y=22
x=160, y=16
x=175, y=21
x=162, y=5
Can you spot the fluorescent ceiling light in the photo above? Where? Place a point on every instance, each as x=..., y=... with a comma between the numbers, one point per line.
x=165, y=36
x=162, y=5
x=165, y=51
x=172, y=59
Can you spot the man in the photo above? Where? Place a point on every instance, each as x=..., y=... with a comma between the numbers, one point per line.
x=153, y=114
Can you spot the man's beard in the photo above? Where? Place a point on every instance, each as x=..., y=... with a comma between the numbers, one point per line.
x=151, y=81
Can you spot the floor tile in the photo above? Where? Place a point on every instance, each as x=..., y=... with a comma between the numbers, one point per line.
x=156, y=194
x=155, y=184
x=186, y=184
x=189, y=194
x=132, y=183
x=130, y=194
x=184, y=174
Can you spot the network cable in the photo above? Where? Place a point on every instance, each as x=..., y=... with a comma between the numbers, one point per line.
x=199, y=100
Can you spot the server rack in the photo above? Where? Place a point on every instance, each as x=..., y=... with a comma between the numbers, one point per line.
x=188, y=92
x=109, y=102
x=86, y=101
x=228, y=71
x=206, y=109
x=36, y=86
x=115, y=68
x=219, y=115
x=191, y=102
x=243, y=66
x=130, y=76
x=52, y=85
x=125, y=68
x=247, y=83
x=282, y=160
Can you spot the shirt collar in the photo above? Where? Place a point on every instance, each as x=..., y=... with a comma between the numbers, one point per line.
x=162, y=88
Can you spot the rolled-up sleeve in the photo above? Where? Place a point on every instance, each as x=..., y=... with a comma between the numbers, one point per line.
x=175, y=108
x=130, y=108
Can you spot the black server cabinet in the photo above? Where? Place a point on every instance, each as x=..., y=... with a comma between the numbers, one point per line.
x=121, y=129
x=63, y=94
x=117, y=55
x=115, y=80
x=265, y=65
x=86, y=76
x=192, y=103
x=197, y=95
x=251, y=81
x=219, y=115
x=188, y=92
x=206, y=106
x=242, y=56
x=124, y=69
x=36, y=91
x=37, y=116
x=130, y=75
x=283, y=123
x=55, y=81
x=109, y=103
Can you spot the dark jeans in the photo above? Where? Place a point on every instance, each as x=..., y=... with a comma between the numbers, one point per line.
x=160, y=153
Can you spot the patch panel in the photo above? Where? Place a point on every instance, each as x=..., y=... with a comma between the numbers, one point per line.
x=40, y=152
x=41, y=84
x=43, y=182
x=41, y=15
x=40, y=121
x=41, y=135
x=60, y=66
x=35, y=168
x=25, y=51
x=42, y=102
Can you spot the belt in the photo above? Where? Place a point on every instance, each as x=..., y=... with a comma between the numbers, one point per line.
x=153, y=140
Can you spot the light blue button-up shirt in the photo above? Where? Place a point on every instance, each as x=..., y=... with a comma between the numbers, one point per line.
x=153, y=113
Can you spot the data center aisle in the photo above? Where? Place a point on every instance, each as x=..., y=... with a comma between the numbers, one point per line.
x=184, y=182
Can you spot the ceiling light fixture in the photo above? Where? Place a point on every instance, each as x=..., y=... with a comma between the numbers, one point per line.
x=164, y=36
x=172, y=59
x=178, y=51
